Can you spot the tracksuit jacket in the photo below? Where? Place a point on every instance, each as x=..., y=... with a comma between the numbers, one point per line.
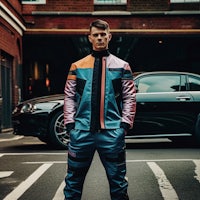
x=116, y=94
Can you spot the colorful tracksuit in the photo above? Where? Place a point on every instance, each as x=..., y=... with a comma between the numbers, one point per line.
x=99, y=106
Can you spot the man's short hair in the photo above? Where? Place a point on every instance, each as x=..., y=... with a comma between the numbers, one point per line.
x=101, y=24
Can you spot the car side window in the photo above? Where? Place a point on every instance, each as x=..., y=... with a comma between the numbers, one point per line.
x=194, y=84
x=159, y=83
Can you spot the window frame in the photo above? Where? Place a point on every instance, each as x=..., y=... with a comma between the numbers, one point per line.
x=110, y=2
x=33, y=1
x=184, y=1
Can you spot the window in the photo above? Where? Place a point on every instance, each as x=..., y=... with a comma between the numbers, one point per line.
x=194, y=84
x=159, y=84
x=33, y=1
x=184, y=1
x=102, y=2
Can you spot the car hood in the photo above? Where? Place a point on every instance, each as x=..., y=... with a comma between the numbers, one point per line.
x=43, y=99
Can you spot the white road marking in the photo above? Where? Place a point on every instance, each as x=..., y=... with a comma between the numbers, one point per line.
x=11, y=139
x=5, y=174
x=197, y=169
x=59, y=193
x=28, y=154
x=20, y=189
x=166, y=188
x=46, y=162
x=128, y=161
x=159, y=160
x=65, y=154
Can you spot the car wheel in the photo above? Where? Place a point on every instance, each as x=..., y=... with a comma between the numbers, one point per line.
x=58, y=137
x=197, y=131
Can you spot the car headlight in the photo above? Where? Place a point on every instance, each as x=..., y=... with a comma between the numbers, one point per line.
x=24, y=108
x=28, y=108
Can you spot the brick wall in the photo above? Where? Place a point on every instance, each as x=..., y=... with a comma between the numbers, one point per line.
x=88, y=6
x=159, y=5
x=11, y=43
x=147, y=5
x=117, y=22
x=61, y=5
x=185, y=6
x=14, y=7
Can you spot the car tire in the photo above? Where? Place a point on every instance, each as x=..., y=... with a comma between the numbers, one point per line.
x=58, y=137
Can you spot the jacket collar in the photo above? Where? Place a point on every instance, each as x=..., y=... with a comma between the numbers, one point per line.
x=100, y=54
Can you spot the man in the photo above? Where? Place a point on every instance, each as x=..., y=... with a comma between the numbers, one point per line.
x=99, y=108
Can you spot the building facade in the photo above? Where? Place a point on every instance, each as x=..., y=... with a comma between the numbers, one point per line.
x=40, y=38
x=12, y=29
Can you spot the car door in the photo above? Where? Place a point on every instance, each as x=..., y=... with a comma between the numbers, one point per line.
x=162, y=107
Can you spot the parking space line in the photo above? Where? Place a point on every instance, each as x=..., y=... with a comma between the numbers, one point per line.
x=5, y=174
x=159, y=160
x=197, y=169
x=128, y=161
x=59, y=193
x=46, y=162
x=34, y=153
x=20, y=189
x=165, y=186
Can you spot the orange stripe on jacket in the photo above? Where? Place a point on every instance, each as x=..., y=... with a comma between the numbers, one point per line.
x=103, y=79
x=71, y=77
x=87, y=62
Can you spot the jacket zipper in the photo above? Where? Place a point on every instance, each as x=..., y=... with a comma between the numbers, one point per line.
x=102, y=100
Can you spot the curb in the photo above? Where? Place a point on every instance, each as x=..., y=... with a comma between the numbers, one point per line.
x=6, y=134
x=6, y=130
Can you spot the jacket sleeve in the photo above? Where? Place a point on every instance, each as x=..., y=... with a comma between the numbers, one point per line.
x=128, y=98
x=69, y=98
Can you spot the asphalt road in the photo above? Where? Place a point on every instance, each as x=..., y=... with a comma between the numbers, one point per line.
x=156, y=170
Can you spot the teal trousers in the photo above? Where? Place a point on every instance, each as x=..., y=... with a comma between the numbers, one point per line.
x=110, y=145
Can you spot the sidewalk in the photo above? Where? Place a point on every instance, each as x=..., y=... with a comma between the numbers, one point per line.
x=6, y=134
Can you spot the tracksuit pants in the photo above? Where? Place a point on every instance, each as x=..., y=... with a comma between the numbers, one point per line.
x=110, y=145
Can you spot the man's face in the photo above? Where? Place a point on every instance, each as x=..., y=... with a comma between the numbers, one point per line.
x=99, y=38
